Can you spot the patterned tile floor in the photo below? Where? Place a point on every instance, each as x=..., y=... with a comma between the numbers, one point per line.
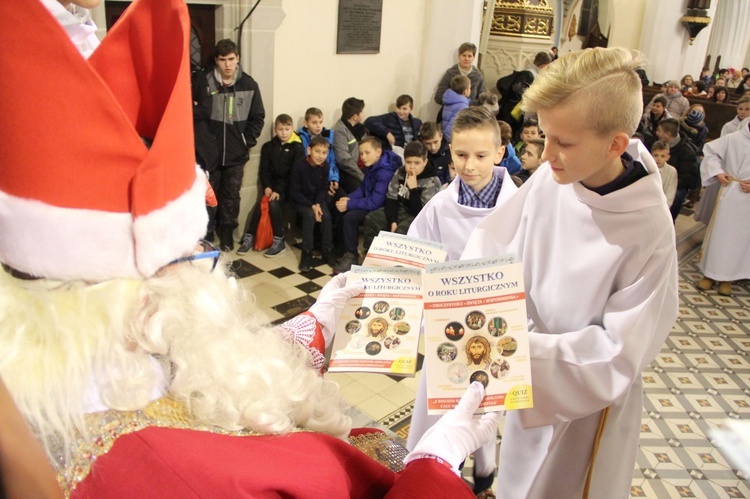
x=700, y=378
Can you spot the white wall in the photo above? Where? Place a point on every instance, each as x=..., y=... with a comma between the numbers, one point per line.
x=308, y=72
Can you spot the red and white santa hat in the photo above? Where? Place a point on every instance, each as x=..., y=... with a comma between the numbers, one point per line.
x=81, y=196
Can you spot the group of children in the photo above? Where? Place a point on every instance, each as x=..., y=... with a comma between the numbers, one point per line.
x=348, y=177
x=379, y=178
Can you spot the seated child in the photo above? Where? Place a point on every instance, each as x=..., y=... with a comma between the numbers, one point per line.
x=531, y=159
x=651, y=120
x=312, y=128
x=594, y=212
x=684, y=158
x=348, y=131
x=510, y=160
x=660, y=153
x=455, y=99
x=438, y=151
x=397, y=128
x=693, y=126
x=411, y=187
x=529, y=130
x=379, y=166
x=309, y=195
x=450, y=216
x=725, y=256
x=276, y=159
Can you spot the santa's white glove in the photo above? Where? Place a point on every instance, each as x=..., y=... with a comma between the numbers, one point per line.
x=458, y=433
x=327, y=308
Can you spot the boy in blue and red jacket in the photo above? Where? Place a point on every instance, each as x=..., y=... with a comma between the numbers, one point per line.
x=379, y=168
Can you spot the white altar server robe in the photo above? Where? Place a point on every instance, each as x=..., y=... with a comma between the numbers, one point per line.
x=725, y=250
x=601, y=293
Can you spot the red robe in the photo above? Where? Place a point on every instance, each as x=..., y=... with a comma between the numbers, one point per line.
x=173, y=463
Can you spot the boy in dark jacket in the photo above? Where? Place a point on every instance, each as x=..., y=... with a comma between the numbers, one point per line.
x=276, y=159
x=684, y=157
x=409, y=190
x=312, y=128
x=438, y=150
x=379, y=168
x=397, y=128
x=309, y=196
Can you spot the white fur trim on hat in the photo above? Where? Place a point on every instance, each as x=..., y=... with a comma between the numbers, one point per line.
x=71, y=243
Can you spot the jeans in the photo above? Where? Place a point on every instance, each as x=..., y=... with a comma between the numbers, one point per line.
x=308, y=227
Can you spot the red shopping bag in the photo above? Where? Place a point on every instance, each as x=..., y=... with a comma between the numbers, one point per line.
x=264, y=232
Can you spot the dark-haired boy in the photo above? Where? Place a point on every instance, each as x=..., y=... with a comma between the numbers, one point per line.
x=438, y=150
x=276, y=159
x=236, y=120
x=411, y=187
x=652, y=118
x=397, y=128
x=379, y=166
x=309, y=195
x=312, y=128
x=684, y=157
x=347, y=132
x=529, y=130
x=531, y=159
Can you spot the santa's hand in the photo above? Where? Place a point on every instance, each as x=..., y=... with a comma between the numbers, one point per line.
x=334, y=295
x=458, y=433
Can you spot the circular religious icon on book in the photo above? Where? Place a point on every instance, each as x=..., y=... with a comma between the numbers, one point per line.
x=397, y=313
x=352, y=326
x=362, y=313
x=373, y=348
x=480, y=376
x=391, y=342
x=475, y=320
x=447, y=352
x=454, y=331
x=507, y=346
x=497, y=326
x=401, y=327
x=380, y=307
x=457, y=373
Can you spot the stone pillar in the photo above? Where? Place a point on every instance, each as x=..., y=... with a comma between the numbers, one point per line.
x=666, y=43
x=731, y=34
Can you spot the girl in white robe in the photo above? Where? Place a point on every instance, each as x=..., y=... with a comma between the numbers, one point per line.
x=601, y=292
x=727, y=161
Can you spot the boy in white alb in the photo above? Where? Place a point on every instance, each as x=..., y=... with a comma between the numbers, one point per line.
x=449, y=217
x=600, y=268
x=725, y=257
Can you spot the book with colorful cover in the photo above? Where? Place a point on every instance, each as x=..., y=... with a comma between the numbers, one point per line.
x=378, y=331
x=390, y=249
x=475, y=330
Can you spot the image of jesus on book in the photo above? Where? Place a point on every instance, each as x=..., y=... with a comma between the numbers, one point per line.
x=377, y=328
x=478, y=353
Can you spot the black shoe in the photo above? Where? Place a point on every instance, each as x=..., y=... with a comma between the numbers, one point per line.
x=328, y=258
x=226, y=246
x=345, y=265
x=226, y=239
x=306, y=261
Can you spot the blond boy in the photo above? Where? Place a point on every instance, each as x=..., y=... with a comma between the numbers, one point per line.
x=600, y=269
x=668, y=173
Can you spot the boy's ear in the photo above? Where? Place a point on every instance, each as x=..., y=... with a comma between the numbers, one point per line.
x=499, y=155
x=309, y=150
x=619, y=144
